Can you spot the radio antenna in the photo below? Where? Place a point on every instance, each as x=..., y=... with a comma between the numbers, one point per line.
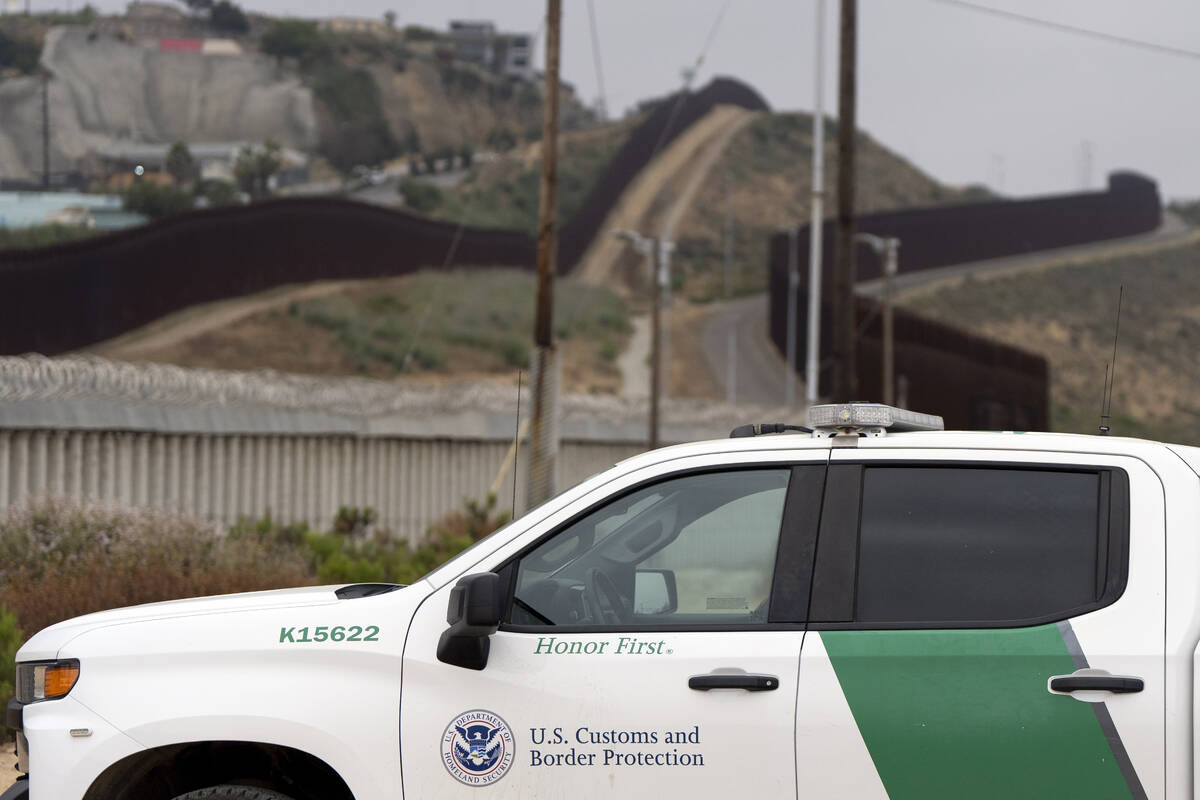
x=516, y=445
x=1110, y=373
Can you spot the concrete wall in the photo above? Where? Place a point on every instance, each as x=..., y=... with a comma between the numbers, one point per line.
x=220, y=444
x=410, y=482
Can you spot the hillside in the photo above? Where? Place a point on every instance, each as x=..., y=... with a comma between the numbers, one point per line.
x=504, y=192
x=764, y=176
x=1067, y=312
x=350, y=97
x=428, y=326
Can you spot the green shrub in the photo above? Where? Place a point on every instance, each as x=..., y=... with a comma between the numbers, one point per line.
x=228, y=18
x=42, y=236
x=359, y=133
x=416, y=33
x=516, y=352
x=501, y=139
x=429, y=318
x=294, y=38
x=10, y=642
x=63, y=559
x=420, y=196
x=145, y=197
x=19, y=52
x=217, y=192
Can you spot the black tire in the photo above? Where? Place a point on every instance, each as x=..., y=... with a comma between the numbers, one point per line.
x=230, y=792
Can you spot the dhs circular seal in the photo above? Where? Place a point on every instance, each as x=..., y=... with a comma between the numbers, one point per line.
x=478, y=748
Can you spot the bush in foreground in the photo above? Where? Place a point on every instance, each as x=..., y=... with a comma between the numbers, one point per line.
x=62, y=560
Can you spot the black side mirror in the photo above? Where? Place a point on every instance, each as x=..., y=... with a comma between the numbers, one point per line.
x=474, y=615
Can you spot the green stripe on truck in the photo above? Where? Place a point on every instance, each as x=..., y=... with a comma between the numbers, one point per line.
x=965, y=714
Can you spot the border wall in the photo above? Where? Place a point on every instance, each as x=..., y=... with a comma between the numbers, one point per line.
x=409, y=481
x=669, y=119
x=221, y=445
x=70, y=296
x=944, y=235
x=972, y=381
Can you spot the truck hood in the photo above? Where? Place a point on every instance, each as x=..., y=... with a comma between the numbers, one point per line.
x=47, y=643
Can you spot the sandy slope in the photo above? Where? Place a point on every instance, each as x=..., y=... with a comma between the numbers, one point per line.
x=196, y=320
x=660, y=195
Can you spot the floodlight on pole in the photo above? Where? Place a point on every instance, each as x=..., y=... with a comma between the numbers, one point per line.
x=812, y=372
x=659, y=251
x=887, y=248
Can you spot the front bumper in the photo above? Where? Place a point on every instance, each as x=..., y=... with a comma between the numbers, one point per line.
x=13, y=720
x=66, y=746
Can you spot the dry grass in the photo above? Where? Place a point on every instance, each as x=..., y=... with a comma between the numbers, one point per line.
x=456, y=326
x=1067, y=314
x=62, y=560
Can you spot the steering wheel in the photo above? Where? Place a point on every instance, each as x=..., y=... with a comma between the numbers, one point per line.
x=604, y=599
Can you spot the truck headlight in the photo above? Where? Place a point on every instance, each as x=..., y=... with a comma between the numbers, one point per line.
x=45, y=680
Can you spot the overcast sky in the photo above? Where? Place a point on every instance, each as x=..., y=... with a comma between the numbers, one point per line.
x=968, y=97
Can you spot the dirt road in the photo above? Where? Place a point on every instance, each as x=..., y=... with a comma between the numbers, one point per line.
x=183, y=325
x=662, y=192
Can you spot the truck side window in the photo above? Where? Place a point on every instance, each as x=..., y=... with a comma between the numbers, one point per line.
x=962, y=544
x=695, y=549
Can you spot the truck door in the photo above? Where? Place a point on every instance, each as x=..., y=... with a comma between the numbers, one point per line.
x=985, y=629
x=639, y=658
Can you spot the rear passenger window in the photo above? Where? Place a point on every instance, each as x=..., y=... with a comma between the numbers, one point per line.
x=960, y=545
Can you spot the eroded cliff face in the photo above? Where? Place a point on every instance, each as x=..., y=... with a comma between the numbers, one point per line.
x=106, y=92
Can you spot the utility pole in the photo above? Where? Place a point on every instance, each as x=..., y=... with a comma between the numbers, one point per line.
x=845, y=377
x=45, y=129
x=816, y=227
x=544, y=426
x=731, y=331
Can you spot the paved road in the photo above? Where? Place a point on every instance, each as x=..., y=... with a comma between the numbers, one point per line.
x=1172, y=228
x=760, y=367
x=758, y=375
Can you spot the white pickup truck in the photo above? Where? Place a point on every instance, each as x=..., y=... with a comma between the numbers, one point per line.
x=876, y=610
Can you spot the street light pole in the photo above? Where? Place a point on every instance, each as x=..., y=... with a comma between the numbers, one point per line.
x=812, y=372
x=890, y=266
x=887, y=249
x=45, y=130
x=656, y=338
x=659, y=251
x=793, y=286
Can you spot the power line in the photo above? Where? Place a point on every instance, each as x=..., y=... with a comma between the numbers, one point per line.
x=1112, y=38
x=689, y=75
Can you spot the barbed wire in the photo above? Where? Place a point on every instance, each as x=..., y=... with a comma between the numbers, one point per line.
x=35, y=377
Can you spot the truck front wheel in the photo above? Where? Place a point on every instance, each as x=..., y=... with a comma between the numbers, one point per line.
x=230, y=792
